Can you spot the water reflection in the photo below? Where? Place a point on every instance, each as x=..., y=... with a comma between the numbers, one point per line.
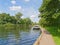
x=16, y=36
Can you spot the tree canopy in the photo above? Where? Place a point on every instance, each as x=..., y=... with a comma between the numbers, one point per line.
x=50, y=12
x=16, y=19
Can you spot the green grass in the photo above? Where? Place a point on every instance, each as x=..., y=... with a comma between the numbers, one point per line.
x=55, y=32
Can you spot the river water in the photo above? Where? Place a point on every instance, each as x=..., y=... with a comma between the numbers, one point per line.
x=18, y=37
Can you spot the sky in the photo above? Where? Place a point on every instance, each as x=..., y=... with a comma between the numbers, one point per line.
x=29, y=8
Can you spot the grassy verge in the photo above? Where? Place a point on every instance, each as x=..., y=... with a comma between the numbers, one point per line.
x=55, y=31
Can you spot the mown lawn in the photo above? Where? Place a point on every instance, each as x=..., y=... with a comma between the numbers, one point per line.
x=55, y=31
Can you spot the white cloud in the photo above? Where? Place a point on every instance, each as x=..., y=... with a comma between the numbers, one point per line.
x=31, y=13
x=1, y=11
x=32, y=16
x=22, y=17
x=15, y=8
x=13, y=2
x=27, y=0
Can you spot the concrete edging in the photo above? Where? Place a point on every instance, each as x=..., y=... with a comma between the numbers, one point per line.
x=37, y=42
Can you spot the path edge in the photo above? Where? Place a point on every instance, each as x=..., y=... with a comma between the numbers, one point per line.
x=37, y=42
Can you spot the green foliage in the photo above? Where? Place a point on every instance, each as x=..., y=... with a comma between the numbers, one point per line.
x=27, y=21
x=50, y=12
x=9, y=21
x=18, y=15
x=9, y=26
x=6, y=18
x=50, y=18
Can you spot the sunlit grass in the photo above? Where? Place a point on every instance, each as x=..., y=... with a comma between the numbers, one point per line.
x=55, y=31
x=57, y=40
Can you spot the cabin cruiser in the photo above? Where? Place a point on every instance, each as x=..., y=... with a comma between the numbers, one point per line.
x=36, y=27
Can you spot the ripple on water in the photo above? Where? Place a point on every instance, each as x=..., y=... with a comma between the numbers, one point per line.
x=25, y=38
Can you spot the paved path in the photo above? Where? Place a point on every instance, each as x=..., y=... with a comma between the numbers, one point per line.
x=46, y=38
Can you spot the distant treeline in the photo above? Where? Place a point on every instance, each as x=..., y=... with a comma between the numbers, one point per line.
x=16, y=19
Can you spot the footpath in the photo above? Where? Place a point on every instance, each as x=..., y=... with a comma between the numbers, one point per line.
x=45, y=38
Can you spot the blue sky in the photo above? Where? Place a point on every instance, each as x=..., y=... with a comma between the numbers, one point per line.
x=29, y=8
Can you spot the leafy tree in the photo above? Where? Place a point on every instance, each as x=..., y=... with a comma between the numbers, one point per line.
x=27, y=21
x=4, y=18
x=8, y=19
x=13, y=20
x=50, y=12
x=18, y=17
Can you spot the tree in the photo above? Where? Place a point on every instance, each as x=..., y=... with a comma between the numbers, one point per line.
x=18, y=17
x=6, y=18
x=50, y=12
x=27, y=21
x=13, y=20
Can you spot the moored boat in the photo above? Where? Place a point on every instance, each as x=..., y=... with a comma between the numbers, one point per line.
x=36, y=27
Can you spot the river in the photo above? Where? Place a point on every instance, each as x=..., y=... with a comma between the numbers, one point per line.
x=18, y=37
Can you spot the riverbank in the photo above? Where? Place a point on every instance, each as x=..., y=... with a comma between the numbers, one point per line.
x=45, y=38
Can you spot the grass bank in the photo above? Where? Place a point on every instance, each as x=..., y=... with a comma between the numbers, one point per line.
x=55, y=32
